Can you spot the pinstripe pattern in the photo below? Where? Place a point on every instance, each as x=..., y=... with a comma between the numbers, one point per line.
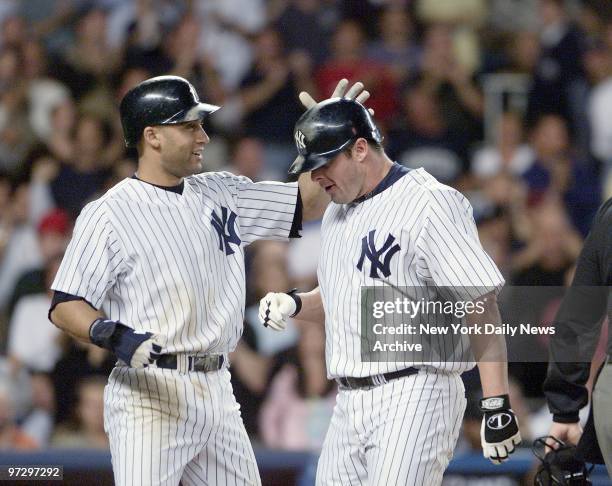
x=403, y=432
x=435, y=229
x=150, y=258
x=186, y=427
x=154, y=260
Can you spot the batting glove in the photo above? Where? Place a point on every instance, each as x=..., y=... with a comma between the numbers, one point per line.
x=275, y=308
x=138, y=349
x=499, y=432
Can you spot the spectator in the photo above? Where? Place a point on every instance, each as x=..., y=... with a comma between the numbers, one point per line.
x=460, y=98
x=557, y=71
x=348, y=60
x=463, y=17
x=248, y=159
x=509, y=154
x=252, y=359
x=424, y=139
x=269, y=99
x=11, y=435
x=89, y=63
x=78, y=361
x=87, y=430
x=21, y=250
x=32, y=342
x=552, y=248
x=305, y=26
x=83, y=177
x=299, y=406
x=58, y=136
x=226, y=30
x=495, y=234
x=556, y=172
x=14, y=29
x=522, y=51
x=395, y=47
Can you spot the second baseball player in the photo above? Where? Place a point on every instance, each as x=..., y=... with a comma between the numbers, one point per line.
x=394, y=422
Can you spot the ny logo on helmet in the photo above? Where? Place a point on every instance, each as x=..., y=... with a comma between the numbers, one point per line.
x=226, y=229
x=369, y=251
x=299, y=140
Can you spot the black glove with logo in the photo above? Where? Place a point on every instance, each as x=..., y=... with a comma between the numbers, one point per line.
x=499, y=432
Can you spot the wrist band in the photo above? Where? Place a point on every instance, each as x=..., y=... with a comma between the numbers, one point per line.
x=101, y=332
x=298, y=301
x=493, y=404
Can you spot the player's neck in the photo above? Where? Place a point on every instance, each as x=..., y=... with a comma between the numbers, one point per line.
x=156, y=175
x=378, y=171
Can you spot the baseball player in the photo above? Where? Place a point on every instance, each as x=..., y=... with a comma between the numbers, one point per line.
x=394, y=422
x=155, y=273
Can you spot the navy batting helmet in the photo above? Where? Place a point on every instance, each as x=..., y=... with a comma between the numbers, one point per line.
x=164, y=100
x=327, y=128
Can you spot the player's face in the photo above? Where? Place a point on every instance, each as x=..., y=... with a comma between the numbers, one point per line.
x=182, y=147
x=342, y=178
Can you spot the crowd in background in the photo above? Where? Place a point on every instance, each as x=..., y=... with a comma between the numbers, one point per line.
x=535, y=168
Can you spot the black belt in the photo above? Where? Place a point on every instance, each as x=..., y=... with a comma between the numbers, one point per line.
x=209, y=362
x=353, y=383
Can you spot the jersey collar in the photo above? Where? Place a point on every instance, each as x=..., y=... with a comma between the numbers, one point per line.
x=178, y=189
x=396, y=172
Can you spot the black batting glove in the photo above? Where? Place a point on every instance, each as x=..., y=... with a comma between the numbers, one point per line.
x=499, y=432
x=137, y=349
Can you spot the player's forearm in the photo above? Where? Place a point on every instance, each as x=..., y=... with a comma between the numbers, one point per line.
x=312, y=306
x=314, y=199
x=75, y=317
x=490, y=350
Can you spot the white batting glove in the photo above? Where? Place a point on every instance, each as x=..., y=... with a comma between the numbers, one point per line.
x=148, y=352
x=275, y=308
x=499, y=432
x=356, y=92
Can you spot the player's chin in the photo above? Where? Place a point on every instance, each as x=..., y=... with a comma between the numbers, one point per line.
x=339, y=198
x=195, y=166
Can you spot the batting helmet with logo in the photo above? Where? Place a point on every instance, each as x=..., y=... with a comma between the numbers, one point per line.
x=164, y=100
x=329, y=127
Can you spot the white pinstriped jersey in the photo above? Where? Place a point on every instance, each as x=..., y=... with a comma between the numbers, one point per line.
x=173, y=263
x=435, y=243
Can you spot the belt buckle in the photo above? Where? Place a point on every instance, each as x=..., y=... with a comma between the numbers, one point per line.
x=206, y=363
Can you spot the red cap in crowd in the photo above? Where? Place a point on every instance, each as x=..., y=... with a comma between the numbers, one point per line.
x=56, y=221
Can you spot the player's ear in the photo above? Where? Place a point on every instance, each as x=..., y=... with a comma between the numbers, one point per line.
x=151, y=137
x=360, y=149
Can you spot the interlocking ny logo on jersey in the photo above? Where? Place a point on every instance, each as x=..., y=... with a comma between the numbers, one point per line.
x=368, y=249
x=299, y=140
x=226, y=228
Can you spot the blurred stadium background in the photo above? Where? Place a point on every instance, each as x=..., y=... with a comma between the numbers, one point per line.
x=509, y=101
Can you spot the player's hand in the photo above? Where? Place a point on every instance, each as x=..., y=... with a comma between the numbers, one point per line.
x=275, y=309
x=356, y=92
x=499, y=432
x=137, y=349
x=568, y=433
x=147, y=353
